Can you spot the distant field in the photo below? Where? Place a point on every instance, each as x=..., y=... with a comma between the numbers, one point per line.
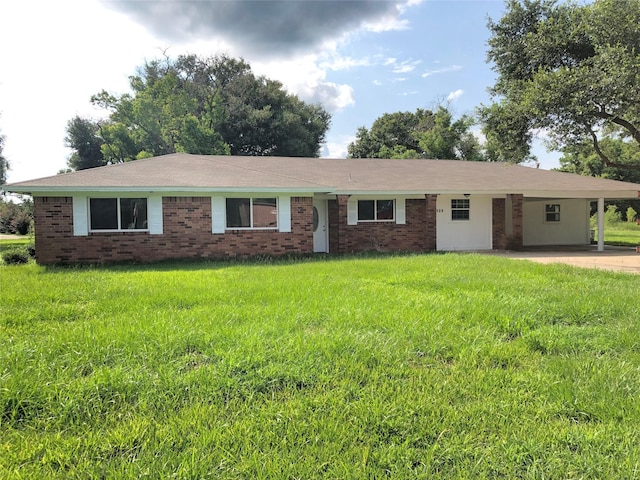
x=14, y=241
x=431, y=366
x=624, y=234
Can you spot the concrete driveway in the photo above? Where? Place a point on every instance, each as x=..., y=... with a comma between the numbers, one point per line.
x=620, y=259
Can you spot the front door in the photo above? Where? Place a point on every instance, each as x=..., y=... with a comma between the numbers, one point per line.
x=320, y=230
x=463, y=222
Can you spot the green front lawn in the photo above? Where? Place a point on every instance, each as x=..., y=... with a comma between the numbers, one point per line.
x=426, y=366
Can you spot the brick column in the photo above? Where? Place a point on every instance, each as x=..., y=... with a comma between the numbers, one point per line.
x=517, y=205
x=498, y=223
x=341, y=224
x=430, y=240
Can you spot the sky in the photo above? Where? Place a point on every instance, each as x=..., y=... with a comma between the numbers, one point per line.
x=358, y=58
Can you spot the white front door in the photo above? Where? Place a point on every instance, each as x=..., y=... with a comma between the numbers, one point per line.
x=463, y=222
x=320, y=230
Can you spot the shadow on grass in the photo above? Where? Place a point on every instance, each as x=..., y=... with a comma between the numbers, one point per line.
x=190, y=264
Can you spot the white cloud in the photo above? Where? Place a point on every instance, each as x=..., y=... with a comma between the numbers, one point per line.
x=47, y=39
x=455, y=95
x=387, y=23
x=305, y=76
x=406, y=66
x=438, y=71
x=338, y=148
x=345, y=63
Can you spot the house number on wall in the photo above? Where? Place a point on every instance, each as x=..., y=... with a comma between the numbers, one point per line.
x=440, y=210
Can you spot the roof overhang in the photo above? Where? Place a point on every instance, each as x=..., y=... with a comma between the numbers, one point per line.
x=173, y=191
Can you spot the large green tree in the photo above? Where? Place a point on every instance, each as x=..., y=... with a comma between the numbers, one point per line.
x=583, y=160
x=83, y=136
x=419, y=134
x=212, y=105
x=571, y=70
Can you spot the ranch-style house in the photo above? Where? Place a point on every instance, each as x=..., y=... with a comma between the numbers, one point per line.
x=198, y=206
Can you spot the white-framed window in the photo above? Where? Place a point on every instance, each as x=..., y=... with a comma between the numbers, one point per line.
x=552, y=212
x=460, y=209
x=376, y=210
x=115, y=214
x=252, y=213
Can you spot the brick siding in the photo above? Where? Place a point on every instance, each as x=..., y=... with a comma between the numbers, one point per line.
x=503, y=240
x=187, y=234
x=417, y=235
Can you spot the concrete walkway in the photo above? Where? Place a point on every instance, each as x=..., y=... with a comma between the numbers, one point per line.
x=620, y=259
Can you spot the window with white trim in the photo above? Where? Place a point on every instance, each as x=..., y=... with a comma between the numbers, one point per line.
x=376, y=210
x=552, y=212
x=255, y=213
x=116, y=214
x=460, y=209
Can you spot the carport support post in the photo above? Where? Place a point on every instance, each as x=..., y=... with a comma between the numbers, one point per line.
x=601, y=224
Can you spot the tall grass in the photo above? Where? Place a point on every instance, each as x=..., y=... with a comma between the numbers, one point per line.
x=443, y=366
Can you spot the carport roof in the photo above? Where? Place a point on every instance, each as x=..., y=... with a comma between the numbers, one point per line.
x=186, y=173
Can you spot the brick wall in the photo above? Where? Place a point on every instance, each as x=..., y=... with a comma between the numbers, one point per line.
x=515, y=240
x=417, y=235
x=187, y=234
x=503, y=240
x=498, y=223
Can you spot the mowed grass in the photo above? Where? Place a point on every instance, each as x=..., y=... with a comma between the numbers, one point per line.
x=629, y=236
x=426, y=366
x=623, y=234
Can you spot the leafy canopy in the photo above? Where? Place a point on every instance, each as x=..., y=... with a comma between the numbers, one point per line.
x=419, y=134
x=212, y=105
x=572, y=70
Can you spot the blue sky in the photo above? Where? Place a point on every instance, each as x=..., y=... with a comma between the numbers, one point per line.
x=360, y=59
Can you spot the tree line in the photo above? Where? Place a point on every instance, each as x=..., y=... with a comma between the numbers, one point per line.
x=569, y=70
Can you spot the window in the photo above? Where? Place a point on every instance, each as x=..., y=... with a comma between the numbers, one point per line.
x=552, y=212
x=375, y=210
x=460, y=208
x=118, y=213
x=252, y=213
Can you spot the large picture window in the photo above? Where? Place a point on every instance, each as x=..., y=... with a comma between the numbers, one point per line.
x=118, y=213
x=460, y=208
x=375, y=210
x=252, y=213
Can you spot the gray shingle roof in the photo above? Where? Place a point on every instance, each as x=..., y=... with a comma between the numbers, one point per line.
x=199, y=173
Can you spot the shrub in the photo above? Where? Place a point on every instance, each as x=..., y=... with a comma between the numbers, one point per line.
x=21, y=222
x=31, y=250
x=612, y=216
x=15, y=256
x=631, y=215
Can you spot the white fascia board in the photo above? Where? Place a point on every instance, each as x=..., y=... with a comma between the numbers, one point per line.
x=609, y=194
x=379, y=195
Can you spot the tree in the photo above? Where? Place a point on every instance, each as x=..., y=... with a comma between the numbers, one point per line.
x=583, y=160
x=422, y=134
x=4, y=163
x=83, y=137
x=570, y=69
x=210, y=105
